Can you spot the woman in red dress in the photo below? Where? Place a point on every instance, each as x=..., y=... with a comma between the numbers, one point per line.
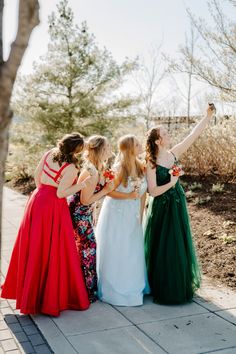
x=44, y=274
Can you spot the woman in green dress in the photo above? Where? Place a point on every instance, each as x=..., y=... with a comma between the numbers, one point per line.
x=172, y=265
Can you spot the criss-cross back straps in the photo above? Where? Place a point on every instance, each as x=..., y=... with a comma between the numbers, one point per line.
x=57, y=173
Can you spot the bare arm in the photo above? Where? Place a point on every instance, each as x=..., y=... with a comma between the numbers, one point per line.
x=66, y=187
x=121, y=195
x=87, y=195
x=143, y=201
x=38, y=171
x=180, y=148
x=153, y=189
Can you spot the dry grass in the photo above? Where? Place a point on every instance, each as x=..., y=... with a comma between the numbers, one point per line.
x=214, y=152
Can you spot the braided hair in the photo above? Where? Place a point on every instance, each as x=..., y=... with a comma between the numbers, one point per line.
x=152, y=148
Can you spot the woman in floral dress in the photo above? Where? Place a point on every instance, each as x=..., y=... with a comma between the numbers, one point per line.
x=81, y=206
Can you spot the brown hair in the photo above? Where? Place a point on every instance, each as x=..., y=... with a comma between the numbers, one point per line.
x=126, y=148
x=151, y=146
x=67, y=147
x=94, y=148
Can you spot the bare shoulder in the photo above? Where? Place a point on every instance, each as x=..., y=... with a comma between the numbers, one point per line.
x=51, y=152
x=71, y=169
x=84, y=173
x=149, y=166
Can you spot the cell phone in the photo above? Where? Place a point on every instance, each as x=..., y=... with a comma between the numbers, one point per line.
x=212, y=106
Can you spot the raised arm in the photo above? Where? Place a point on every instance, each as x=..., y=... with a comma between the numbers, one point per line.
x=153, y=189
x=180, y=148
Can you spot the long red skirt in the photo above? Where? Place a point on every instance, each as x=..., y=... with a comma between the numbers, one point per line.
x=44, y=274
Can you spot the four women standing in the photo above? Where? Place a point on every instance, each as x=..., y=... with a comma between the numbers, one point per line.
x=44, y=264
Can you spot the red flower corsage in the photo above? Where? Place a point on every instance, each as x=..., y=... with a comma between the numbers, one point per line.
x=176, y=171
x=108, y=175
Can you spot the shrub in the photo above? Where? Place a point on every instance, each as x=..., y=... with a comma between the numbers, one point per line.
x=201, y=201
x=217, y=188
x=195, y=186
x=214, y=152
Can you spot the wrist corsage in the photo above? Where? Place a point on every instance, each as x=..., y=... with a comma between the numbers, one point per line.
x=108, y=175
x=176, y=170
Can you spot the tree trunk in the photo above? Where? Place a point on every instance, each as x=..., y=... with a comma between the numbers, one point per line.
x=189, y=97
x=1, y=18
x=28, y=18
x=4, y=133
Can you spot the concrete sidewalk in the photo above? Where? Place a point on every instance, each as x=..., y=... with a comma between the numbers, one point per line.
x=208, y=325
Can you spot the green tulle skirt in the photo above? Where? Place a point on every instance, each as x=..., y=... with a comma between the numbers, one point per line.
x=172, y=265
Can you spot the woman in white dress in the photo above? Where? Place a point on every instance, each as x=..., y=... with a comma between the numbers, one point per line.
x=121, y=269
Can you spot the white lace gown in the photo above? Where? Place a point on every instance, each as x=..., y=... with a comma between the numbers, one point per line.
x=122, y=278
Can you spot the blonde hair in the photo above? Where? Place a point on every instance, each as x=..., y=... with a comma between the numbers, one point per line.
x=125, y=156
x=94, y=149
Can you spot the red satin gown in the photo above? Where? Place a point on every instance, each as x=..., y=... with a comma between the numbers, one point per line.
x=44, y=274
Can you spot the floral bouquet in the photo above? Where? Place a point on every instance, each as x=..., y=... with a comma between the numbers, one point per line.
x=108, y=175
x=176, y=170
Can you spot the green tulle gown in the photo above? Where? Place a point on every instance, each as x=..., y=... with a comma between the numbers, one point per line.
x=172, y=265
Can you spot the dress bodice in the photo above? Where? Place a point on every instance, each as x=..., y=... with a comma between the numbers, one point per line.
x=163, y=177
x=130, y=186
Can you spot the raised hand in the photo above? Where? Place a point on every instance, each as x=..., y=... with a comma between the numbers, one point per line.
x=211, y=110
x=134, y=194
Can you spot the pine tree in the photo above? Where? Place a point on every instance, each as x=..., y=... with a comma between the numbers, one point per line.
x=75, y=85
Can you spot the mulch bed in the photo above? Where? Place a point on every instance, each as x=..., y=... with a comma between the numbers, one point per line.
x=213, y=221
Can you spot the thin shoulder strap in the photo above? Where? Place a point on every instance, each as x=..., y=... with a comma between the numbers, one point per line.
x=45, y=162
x=51, y=169
x=173, y=155
x=60, y=171
x=45, y=158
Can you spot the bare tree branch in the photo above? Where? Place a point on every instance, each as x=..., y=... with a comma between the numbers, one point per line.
x=148, y=82
x=215, y=60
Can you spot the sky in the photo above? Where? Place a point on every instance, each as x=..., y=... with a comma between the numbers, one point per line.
x=126, y=27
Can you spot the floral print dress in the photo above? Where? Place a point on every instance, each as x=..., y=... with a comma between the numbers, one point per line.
x=83, y=223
